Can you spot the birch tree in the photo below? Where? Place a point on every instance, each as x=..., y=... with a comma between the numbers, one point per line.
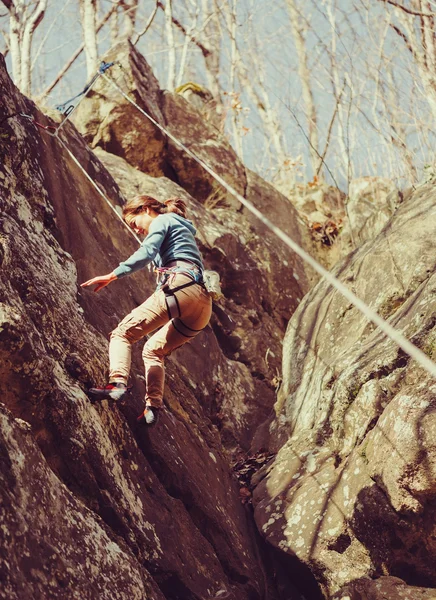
x=24, y=18
x=88, y=15
x=305, y=79
x=171, y=45
x=129, y=10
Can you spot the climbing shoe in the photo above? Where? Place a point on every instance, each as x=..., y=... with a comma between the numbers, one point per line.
x=114, y=391
x=149, y=416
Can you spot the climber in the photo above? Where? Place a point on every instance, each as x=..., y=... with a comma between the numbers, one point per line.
x=180, y=306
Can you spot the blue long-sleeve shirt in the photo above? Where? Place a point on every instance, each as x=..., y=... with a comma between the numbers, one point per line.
x=170, y=237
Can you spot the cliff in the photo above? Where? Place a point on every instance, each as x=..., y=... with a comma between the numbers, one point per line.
x=288, y=372
x=93, y=507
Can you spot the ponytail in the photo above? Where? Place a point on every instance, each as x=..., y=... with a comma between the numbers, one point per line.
x=176, y=205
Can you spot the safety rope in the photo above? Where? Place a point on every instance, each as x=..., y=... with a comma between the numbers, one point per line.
x=370, y=314
x=112, y=207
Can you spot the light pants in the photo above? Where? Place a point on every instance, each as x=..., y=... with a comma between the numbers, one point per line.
x=195, y=307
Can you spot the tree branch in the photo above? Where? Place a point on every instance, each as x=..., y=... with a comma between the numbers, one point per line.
x=205, y=51
x=330, y=129
x=77, y=53
x=408, y=10
x=139, y=35
x=403, y=37
x=8, y=3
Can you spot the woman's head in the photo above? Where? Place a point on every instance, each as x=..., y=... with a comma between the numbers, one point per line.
x=139, y=212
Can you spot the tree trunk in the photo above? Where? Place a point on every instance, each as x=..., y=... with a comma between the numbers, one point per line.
x=15, y=43
x=26, y=46
x=129, y=8
x=171, y=81
x=304, y=73
x=88, y=14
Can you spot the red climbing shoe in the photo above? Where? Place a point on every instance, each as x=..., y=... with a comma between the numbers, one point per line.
x=149, y=416
x=115, y=391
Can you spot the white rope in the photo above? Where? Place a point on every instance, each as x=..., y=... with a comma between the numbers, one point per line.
x=98, y=190
x=370, y=314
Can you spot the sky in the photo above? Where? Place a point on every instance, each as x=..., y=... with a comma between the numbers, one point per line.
x=351, y=30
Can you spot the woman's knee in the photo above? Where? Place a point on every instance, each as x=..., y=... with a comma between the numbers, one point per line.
x=120, y=333
x=153, y=352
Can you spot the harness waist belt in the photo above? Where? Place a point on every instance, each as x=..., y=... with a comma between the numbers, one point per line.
x=182, y=263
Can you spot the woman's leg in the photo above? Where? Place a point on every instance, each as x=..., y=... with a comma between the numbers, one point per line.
x=149, y=316
x=195, y=311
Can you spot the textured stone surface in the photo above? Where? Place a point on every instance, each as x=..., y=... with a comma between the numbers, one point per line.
x=108, y=120
x=370, y=204
x=166, y=496
x=163, y=501
x=51, y=544
x=385, y=588
x=352, y=489
x=203, y=100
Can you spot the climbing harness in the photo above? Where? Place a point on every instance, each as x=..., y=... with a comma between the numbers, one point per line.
x=165, y=276
x=370, y=314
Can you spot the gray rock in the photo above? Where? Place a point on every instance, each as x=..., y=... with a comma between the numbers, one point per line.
x=352, y=488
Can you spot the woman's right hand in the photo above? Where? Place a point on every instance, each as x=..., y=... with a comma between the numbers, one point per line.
x=100, y=282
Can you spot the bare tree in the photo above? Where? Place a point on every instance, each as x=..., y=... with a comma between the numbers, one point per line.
x=5, y=50
x=416, y=28
x=137, y=35
x=24, y=18
x=88, y=14
x=74, y=57
x=305, y=78
x=171, y=81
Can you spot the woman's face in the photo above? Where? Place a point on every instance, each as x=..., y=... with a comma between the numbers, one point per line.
x=141, y=223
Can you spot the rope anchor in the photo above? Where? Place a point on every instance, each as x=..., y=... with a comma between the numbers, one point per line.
x=66, y=108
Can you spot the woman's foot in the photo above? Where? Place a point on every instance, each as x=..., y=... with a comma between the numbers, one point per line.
x=149, y=416
x=114, y=391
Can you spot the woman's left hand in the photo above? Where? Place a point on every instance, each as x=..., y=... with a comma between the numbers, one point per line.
x=100, y=282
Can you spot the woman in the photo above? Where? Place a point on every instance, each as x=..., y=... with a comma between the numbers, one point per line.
x=180, y=306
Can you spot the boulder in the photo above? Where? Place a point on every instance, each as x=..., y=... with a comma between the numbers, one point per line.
x=370, y=204
x=108, y=120
x=52, y=544
x=351, y=492
x=384, y=588
x=200, y=97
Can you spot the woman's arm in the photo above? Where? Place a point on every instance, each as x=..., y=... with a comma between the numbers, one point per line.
x=147, y=250
x=101, y=281
x=142, y=257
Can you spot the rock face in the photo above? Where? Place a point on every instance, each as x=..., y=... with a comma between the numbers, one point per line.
x=92, y=506
x=385, y=588
x=352, y=490
x=371, y=203
x=263, y=282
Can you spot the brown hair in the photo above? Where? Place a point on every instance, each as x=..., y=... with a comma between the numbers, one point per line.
x=139, y=204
